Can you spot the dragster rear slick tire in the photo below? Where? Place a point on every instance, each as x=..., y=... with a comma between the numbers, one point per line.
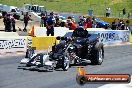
x=97, y=54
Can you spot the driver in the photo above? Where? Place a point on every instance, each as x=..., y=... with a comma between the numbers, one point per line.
x=80, y=32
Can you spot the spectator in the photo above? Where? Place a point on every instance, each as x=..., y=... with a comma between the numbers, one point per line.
x=43, y=21
x=119, y=25
x=73, y=19
x=50, y=25
x=4, y=21
x=71, y=25
x=4, y=13
x=8, y=23
x=88, y=23
x=57, y=22
x=84, y=18
x=13, y=22
x=124, y=12
x=26, y=19
x=108, y=12
x=129, y=16
x=127, y=23
x=81, y=21
x=50, y=28
x=63, y=24
x=51, y=17
x=69, y=17
x=42, y=14
x=123, y=26
x=80, y=17
x=114, y=25
x=94, y=24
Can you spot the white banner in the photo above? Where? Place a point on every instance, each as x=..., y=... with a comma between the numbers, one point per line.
x=112, y=36
x=13, y=44
x=58, y=31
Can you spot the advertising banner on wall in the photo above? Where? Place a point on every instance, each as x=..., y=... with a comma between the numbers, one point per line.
x=13, y=44
x=112, y=36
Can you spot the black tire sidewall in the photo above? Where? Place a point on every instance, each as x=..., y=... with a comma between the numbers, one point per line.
x=95, y=53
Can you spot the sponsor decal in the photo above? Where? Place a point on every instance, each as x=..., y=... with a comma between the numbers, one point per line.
x=12, y=43
x=29, y=41
x=83, y=78
x=112, y=37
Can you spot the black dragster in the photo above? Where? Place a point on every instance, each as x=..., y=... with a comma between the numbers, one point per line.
x=75, y=49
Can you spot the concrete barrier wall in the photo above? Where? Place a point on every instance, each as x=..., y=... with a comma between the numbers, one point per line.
x=112, y=36
x=13, y=44
x=43, y=43
x=20, y=43
x=58, y=31
x=109, y=36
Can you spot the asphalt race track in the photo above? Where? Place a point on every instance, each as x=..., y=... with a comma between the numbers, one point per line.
x=118, y=59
